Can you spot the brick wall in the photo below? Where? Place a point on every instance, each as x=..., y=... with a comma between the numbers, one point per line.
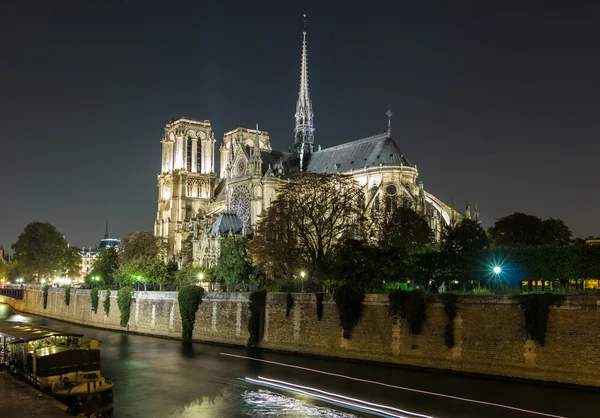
x=489, y=330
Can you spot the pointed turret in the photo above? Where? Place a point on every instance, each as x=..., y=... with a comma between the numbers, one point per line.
x=476, y=213
x=304, y=131
x=256, y=160
x=468, y=210
x=106, y=230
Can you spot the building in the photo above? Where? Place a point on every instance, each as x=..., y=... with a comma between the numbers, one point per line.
x=88, y=256
x=4, y=255
x=197, y=206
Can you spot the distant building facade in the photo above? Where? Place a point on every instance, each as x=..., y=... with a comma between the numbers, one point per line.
x=4, y=255
x=89, y=255
x=197, y=205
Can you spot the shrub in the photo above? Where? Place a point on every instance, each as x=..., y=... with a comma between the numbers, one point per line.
x=106, y=303
x=289, y=304
x=349, y=303
x=320, y=305
x=536, y=307
x=258, y=300
x=67, y=295
x=45, y=296
x=409, y=305
x=124, y=300
x=189, y=298
x=94, y=296
x=450, y=309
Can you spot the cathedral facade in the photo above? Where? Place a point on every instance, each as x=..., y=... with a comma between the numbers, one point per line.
x=198, y=207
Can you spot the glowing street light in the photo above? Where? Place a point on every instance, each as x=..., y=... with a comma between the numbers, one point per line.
x=302, y=274
x=200, y=276
x=497, y=270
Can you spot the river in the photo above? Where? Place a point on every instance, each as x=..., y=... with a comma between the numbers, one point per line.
x=157, y=377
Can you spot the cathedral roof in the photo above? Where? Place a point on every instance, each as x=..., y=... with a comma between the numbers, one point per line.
x=287, y=161
x=227, y=222
x=367, y=152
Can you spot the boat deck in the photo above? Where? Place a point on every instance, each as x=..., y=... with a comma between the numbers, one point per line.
x=23, y=401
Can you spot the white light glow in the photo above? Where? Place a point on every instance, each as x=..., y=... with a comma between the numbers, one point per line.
x=497, y=270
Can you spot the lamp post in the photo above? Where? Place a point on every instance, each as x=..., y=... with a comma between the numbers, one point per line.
x=138, y=283
x=497, y=271
x=302, y=274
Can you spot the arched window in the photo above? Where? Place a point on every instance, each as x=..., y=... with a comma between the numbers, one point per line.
x=189, y=154
x=199, y=157
x=373, y=193
x=391, y=198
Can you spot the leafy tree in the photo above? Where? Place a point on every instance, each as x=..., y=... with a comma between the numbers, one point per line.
x=310, y=215
x=188, y=275
x=142, y=245
x=40, y=249
x=521, y=230
x=187, y=251
x=233, y=265
x=555, y=232
x=148, y=271
x=70, y=264
x=105, y=265
x=405, y=230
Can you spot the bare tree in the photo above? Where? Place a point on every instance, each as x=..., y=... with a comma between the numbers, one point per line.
x=311, y=214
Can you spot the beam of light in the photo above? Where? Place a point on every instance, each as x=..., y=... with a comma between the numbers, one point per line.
x=346, y=397
x=344, y=404
x=441, y=395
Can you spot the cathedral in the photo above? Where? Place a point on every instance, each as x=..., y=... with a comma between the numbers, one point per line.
x=198, y=207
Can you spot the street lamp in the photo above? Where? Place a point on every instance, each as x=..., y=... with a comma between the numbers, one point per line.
x=138, y=282
x=497, y=270
x=200, y=276
x=302, y=274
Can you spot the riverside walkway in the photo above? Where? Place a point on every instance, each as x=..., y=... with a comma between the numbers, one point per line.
x=19, y=400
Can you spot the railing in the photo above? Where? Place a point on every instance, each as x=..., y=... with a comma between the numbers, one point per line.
x=11, y=292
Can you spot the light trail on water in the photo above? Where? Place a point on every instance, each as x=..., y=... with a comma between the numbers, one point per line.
x=441, y=395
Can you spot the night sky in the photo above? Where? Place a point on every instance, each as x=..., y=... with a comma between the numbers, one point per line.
x=494, y=102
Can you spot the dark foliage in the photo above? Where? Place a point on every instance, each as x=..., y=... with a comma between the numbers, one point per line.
x=349, y=303
x=95, y=298
x=124, y=301
x=189, y=298
x=45, y=296
x=450, y=309
x=258, y=300
x=67, y=295
x=106, y=302
x=409, y=305
x=289, y=304
x=320, y=305
x=536, y=307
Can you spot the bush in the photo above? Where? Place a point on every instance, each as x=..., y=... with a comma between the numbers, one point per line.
x=289, y=304
x=94, y=296
x=450, y=309
x=349, y=303
x=258, y=301
x=536, y=307
x=45, y=296
x=106, y=303
x=124, y=300
x=189, y=298
x=409, y=305
x=67, y=295
x=320, y=305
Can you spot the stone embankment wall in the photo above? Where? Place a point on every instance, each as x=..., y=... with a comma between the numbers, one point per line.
x=489, y=331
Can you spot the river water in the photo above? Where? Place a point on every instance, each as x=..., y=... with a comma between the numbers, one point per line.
x=156, y=377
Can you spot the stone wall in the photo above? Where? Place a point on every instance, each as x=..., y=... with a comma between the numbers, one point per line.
x=489, y=331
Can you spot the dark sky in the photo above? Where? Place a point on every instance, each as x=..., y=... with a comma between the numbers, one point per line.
x=495, y=101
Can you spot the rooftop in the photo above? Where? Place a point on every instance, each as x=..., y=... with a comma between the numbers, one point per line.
x=23, y=332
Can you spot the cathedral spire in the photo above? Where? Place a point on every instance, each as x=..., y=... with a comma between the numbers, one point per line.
x=303, y=133
x=468, y=210
x=106, y=230
x=476, y=213
x=389, y=115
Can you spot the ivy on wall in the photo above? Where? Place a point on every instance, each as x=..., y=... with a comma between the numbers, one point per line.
x=45, y=296
x=409, y=305
x=189, y=299
x=450, y=309
x=536, y=307
x=67, y=295
x=289, y=304
x=124, y=301
x=94, y=296
x=106, y=303
x=349, y=303
x=320, y=305
x=258, y=301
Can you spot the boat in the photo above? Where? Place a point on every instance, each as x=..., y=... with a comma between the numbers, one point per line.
x=59, y=363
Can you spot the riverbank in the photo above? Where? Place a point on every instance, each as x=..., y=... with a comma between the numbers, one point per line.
x=489, y=331
x=22, y=400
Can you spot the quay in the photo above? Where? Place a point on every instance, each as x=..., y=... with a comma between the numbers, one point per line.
x=20, y=400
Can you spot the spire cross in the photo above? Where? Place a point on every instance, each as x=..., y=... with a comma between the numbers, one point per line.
x=389, y=115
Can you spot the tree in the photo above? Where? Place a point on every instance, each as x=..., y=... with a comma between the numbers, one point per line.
x=404, y=230
x=190, y=275
x=233, y=265
x=105, y=265
x=40, y=249
x=187, y=251
x=138, y=272
x=521, y=230
x=310, y=215
x=142, y=245
x=70, y=265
